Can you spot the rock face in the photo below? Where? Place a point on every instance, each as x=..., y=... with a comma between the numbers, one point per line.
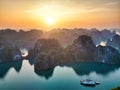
x=8, y=52
x=82, y=49
x=107, y=54
x=45, y=61
x=46, y=45
x=114, y=41
x=48, y=54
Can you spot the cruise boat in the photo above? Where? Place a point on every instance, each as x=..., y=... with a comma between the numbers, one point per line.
x=89, y=82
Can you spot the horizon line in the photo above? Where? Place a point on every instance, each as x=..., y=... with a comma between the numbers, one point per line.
x=28, y=29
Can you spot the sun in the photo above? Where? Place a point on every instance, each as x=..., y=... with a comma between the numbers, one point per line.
x=50, y=20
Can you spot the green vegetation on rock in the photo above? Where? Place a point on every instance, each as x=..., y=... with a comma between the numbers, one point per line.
x=118, y=88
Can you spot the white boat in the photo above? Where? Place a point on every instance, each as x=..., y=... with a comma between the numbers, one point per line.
x=89, y=82
x=97, y=82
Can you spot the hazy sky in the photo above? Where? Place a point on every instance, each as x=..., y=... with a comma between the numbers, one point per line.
x=47, y=14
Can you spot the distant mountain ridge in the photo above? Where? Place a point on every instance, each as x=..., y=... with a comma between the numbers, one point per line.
x=64, y=36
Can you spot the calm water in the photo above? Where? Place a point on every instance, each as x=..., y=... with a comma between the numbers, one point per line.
x=21, y=76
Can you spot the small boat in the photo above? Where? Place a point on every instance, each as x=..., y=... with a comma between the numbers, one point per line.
x=89, y=82
x=97, y=82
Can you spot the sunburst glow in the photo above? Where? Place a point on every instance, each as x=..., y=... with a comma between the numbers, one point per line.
x=49, y=14
x=50, y=20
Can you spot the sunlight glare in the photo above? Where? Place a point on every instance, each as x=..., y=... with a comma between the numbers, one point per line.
x=50, y=20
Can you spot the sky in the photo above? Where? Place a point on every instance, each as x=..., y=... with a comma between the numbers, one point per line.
x=48, y=14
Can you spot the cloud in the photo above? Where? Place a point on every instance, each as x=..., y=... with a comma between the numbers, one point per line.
x=51, y=10
x=113, y=3
x=58, y=10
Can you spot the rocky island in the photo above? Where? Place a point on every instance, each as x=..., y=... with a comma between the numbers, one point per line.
x=8, y=52
x=49, y=49
x=48, y=53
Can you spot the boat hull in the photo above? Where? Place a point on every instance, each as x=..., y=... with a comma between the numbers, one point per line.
x=88, y=85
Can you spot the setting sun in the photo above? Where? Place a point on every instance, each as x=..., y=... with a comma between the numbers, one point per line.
x=49, y=20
